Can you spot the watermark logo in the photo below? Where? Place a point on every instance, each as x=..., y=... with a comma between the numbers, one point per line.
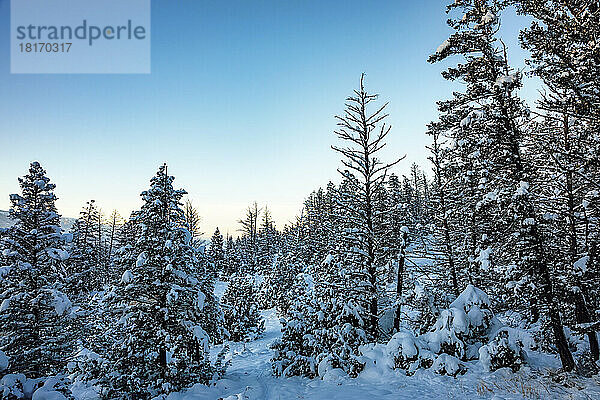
x=80, y=36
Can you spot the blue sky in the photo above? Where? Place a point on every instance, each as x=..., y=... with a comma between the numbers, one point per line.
x=240, y=103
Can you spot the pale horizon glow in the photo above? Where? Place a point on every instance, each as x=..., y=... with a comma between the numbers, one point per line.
x=240, y=104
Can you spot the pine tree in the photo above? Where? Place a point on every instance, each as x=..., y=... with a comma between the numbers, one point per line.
x=35, y=313
x=231, y=257
x=166, y=311
x=115, y=224
x=216, y=253
x=442, y=207
x=508, y=201
x=275, y=288
x=88, y=273
x=564, y=56
x=267, y=243
x=298, y=350
x=249, y=239
x=364, y=132
x=241, y=314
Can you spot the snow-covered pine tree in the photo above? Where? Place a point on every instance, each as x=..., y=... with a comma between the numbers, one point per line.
x=248, y=242
x=216, y=252
x=87, y=273
x=363, y=132
x=464, y=172
x=317, y=226
x=562, y=41
x=166, y=313
x=509, y=200
x=268, y=243
x=124, y=252
x=231, y=257
x=275, y=288
x=297, y=351
x=562, y=144
x=241, y=313
x=35, y=313
x=115, y=224
x=418, y=190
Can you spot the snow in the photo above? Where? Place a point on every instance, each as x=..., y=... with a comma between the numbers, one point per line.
x=3, y=361
x=202, y=337
x=250, y=376
x=504, y=338
x=127, y=276
x=484, y=258
x=141, y=260
x=44, y=394
x=13, y=384
x=446, y=364
x=469, y=119
x=61, y=302
x=402, y=343
x=488, y=17
x=506, y=80
x=201, y=297
x=445, y=44
x=82, y=391
x=581, y=264
x=529, y=222
x=470, y=296
x=5, y=305
x=58, y=254
x=187, y=235
x=220, y=288
x=48, y=392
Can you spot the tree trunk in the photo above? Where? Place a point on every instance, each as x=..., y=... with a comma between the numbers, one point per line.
x=560, y=340
x=399, y=282
x=399, y=294
x=582, y=316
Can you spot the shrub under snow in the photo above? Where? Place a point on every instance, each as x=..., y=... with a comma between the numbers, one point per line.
x=458, y=335
x=409, y=352
x=445, y=364
x=503, y=351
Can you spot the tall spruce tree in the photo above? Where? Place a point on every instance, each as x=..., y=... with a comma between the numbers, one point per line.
x=35, y=312
x=564, y=55
x=507, y=201
x=167, y=315
x=87, y=272
x=216, y=252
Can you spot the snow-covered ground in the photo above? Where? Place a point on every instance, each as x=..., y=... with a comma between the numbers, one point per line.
x=250, y=377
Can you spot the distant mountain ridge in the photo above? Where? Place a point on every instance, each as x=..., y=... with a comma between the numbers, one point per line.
x=65, y=222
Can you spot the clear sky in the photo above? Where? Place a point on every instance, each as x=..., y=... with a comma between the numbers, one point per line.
x=240, y=103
